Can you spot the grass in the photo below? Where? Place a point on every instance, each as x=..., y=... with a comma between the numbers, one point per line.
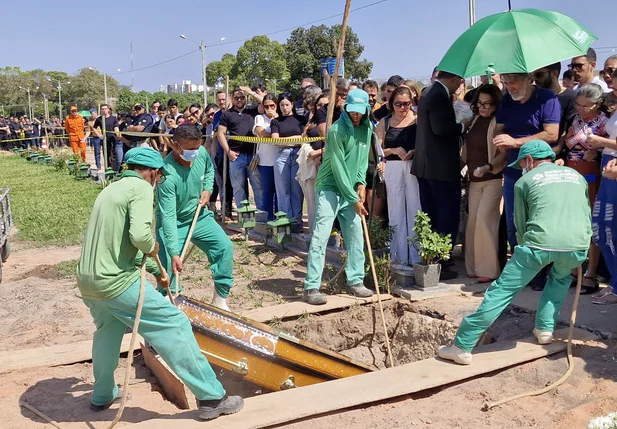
x=67, y=269
x=48, y=207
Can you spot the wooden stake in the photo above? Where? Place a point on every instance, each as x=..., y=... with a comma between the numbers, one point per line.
x=38, y=413
x=164, y=276
x=370, y=257
x=186, y=244
x=339, y=56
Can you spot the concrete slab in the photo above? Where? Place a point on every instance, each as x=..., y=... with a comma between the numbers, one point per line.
x=599, y=318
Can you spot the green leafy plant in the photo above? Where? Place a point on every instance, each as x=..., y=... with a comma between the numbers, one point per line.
x=380, y=235
x=431, y=246
x=60, y=160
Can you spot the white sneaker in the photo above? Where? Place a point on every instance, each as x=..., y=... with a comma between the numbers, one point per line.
x=220, y=302
x=544, y=337
x=455, y=354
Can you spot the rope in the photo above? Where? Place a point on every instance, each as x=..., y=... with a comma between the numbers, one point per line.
x=277, y=142
x=489, y=405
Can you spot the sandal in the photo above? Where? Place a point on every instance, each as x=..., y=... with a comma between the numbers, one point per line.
x=602, y=293
x=607, y=299
x=485, y=280
x=587, y=289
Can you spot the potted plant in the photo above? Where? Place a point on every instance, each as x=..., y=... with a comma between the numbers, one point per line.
x=432, y=248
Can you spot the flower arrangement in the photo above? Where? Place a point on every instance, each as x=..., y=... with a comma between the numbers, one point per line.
x=604, y=422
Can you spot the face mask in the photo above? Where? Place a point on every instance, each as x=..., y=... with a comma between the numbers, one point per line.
x=526, y=169
x=189, y=155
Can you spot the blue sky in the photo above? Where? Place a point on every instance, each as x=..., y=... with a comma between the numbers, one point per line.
x=406, y=37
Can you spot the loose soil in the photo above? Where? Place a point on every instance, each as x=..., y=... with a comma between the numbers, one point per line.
x=40, y=308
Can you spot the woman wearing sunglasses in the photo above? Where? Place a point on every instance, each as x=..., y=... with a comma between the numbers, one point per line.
x=484, y=166
x=267, y=154
x=397, y=131
x=288, y=191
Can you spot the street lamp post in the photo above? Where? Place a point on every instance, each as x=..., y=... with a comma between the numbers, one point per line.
x=59, y=95
x=104, y=81
x=30, y=114
x=202, y=48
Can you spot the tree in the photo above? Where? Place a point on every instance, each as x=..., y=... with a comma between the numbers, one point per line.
x=87, y=89
x=219, y=69
x=305, y=48
x=260, y=60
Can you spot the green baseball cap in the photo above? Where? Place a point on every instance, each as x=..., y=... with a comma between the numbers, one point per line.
x=357, y=102
x=145, y=156
x=538, y=149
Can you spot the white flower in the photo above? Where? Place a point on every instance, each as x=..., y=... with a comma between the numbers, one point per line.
x=604, y=422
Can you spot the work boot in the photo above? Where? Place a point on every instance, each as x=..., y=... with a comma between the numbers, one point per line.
x=314, y=297
x=359, y=290
x=455, y=354
x=209, y=410
x=219, y=302
x=117, y=400
x=544, y=337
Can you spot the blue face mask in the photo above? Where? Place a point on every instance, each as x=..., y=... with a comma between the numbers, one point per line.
x=189, y=155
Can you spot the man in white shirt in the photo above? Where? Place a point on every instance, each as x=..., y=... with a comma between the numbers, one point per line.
x=582, y=70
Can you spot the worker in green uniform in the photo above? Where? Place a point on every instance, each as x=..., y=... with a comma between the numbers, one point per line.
x=340, y=192
x=543, y=238
x=109, y=282
x=188, y=178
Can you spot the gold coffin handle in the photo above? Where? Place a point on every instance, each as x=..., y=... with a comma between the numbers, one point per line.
x=241, y=367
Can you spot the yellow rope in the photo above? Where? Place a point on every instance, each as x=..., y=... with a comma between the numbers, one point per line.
x=277, y=142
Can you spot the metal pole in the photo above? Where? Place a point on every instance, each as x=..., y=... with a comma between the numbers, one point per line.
x=60, y=100
x=203, y=70
x=105, y=163
x=472, y=21
x=105, y=85
x=132, y=72
x=29, y=104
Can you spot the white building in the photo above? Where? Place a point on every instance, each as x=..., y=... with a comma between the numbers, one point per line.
x=186, y=87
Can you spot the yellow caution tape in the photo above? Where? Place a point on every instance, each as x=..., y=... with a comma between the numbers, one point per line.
x=277, y=142
x=34, y=138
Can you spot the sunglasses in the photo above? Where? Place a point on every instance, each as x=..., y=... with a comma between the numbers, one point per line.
x=241, y=98
x=610, y=70
x=402, y=104
x=577, y=66
x=195, y=113
x=341, y=94
x=269, y=106
x=485, y=105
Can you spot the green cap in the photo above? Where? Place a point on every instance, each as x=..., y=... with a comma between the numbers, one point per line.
x=357, y=102
x=145, y=156
x=538, y=149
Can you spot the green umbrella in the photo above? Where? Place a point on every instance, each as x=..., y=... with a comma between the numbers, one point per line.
x=85, y=113
x=517, y=41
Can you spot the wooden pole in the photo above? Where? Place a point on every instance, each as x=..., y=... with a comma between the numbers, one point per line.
x=375, y=280
x=339, y=56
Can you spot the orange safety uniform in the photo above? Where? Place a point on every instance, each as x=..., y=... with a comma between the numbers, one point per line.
x=75, y=128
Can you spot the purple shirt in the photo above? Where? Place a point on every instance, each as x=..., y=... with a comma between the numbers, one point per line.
x=529, y=118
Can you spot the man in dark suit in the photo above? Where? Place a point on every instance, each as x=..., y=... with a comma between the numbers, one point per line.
x=436, y=161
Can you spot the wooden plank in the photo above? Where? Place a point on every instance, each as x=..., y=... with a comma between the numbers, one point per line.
x=63, y=354
x=173, y=388
x=298, y=308
x=286, y=406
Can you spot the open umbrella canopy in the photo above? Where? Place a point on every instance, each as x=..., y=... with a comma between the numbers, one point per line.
x=517, y=41
x=85, y=113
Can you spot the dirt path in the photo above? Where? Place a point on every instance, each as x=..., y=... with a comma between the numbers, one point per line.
x=22, y=262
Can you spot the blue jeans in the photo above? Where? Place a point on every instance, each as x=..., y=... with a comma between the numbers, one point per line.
x=238, y=171
x=604, y=223
x=96, y=145
x=269, y=202
x=119, y=155
x=288, y=191
x=508, y=199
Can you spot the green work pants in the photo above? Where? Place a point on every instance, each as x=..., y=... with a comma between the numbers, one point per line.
x=525, y=263
x=329, y=206
x=212, y=240
x=162, y=325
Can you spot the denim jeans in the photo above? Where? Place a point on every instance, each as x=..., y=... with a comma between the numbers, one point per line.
x=119, y=155
x=604, y=223
x=269, y=202
x=508, y=200
x=288, y=191
x=238, y=172
x=96, y=145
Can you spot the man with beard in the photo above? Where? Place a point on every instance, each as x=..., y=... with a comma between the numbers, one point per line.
x=239, y=121
x=527, y=112
x=548, y=78
x=583, y=70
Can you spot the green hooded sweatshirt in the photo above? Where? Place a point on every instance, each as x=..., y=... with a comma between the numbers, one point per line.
x=345, y=160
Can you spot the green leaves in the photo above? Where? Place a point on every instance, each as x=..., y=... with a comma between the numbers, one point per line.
x=431, y=246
